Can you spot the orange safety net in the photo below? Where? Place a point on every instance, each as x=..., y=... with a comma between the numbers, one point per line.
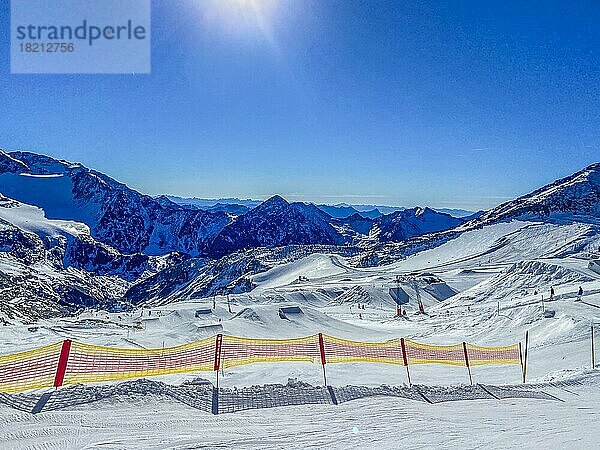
x=342, y=351
x=434, y=354
x=236, y=351
x=32, y=369
x=91, y=363
x=85, y=363
x=479, y=356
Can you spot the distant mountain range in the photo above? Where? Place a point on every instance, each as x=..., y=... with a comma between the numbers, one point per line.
x=403, y=225
x=275, y=223
x=338, y=211
x=133, y=223
x=71, y=236
x=204, y=203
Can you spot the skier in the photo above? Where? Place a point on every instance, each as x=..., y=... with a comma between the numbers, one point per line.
x=551, y=293
x=579, y=294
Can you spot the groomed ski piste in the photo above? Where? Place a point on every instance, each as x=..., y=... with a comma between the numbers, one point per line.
x=484, y=287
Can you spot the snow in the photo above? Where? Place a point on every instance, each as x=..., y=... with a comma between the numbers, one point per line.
x=496, y=270
x=161, y=423
x=54, y=193
x=313, y=266
x=32, y=219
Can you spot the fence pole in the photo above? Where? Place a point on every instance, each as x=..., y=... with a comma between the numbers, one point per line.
x=467, y=362
x=217, y=365
x=593, y=354
x=526, y=354
x=323, y=360
x=521, y=361
x=405, y=360
x=62, y=363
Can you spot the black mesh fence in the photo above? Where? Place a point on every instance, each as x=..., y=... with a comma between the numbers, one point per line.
x=201, y=395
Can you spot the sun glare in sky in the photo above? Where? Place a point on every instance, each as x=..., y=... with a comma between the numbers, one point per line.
x=239, y=16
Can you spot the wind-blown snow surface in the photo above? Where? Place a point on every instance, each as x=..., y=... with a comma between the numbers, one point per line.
x=160, y=423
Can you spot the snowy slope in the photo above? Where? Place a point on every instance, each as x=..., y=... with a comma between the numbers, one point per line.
x=383, y=423
x=311, y=267
x=32, y=219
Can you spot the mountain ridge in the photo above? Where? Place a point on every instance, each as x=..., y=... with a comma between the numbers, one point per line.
x=576, y=194
x=117, y=215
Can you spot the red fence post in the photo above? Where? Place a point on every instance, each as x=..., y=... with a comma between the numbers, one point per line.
x=62, y=363
x=217, y=365
x=467, y=361
x=323, y=360
x=405, y=360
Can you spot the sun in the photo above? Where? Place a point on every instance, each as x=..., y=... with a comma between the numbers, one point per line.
x=239, y=14
x=255, y=5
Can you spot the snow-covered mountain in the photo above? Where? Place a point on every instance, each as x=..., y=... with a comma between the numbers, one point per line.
x=72, y=237
x=573, y=199
x=52, y=267
x=276, y=223
x=28, y=235
x=200, y=277
x=403, y=225
x=116, y=215
x=133, y=223
x=576, y=195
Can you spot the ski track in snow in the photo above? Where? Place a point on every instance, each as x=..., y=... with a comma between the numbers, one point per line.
x=159, y=423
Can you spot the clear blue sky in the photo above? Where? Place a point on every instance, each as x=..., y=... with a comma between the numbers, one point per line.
x=454, y=103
